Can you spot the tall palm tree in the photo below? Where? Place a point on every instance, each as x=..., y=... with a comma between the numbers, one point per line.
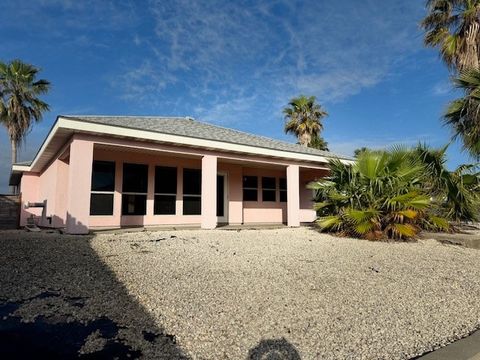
x=20, y=104
x=318, y=142
x=303, y=118
x=454, y=27
x=463, y=114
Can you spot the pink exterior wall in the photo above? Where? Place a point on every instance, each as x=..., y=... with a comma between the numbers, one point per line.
x=293, y=196
x=150, y=219
x=49, y=187
x=235, y=203
x=29, y=188
x=209, y=192
x=66, y=188
x=307, y=214
x=264, y=211
x=79, y=185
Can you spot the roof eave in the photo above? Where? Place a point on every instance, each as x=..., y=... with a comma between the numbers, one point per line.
x=80, y=126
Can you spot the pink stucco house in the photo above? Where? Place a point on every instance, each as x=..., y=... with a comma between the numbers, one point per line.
x=95, y=172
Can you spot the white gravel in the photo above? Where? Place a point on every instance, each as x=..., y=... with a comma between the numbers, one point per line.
x=232, y=294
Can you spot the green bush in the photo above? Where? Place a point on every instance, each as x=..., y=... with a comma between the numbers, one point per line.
x=393, y=194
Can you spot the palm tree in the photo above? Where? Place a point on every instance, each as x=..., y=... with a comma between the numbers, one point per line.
x=318, y=142
x=455, y=193
x=303, y=118
x=357, y=152
x=463, y=114
x=454, y=27
x=379, y=196
x=20, y=104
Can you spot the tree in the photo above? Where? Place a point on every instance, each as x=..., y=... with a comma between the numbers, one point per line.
x=20, y=104
x=318, y=142
x=357, y=152
x=303, y=118
x=456, y=194
x=463, y=114
x=453, y=26
x=380, y=196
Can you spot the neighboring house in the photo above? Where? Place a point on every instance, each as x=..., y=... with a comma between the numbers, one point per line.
x=118, y=171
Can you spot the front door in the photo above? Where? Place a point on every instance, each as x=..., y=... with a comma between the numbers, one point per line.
x=222, y=208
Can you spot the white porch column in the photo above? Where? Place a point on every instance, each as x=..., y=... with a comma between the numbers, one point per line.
x=79, y=186
x=293, y=196
x=209, y=192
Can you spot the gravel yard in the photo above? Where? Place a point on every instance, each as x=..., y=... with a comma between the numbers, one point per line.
x=235, y=294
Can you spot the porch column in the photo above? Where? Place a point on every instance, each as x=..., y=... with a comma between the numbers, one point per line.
x=79, y=186
x=209, y=192
x=293, y=196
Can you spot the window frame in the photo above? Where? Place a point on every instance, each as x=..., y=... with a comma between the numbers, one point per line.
x=249, y=188
x=103, y=192
x=174, y=195
x=269, y=190
x=191, y=195
x=135, y=192
x=282, y=190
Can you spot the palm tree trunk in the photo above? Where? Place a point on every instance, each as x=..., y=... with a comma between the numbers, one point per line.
x=304, y=139
x=13, y=144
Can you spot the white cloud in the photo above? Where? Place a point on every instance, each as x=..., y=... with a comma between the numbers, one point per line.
x=222, y=51
x=144, y=83
x=442, y=88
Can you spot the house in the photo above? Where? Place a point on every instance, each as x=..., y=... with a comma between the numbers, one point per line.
x=94, y=172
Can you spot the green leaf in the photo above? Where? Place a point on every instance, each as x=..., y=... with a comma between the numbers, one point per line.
x=329, y=222
x=405, y=230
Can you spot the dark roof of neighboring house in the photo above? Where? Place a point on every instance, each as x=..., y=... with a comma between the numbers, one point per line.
x=185, y=126
x=24, y=163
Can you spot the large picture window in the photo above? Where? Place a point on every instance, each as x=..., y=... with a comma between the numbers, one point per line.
x=165, y=190
x=134, y=189
x=103, y=187
x=269, y=189
x=283, y=189
x=250, y=188
x=192, y=192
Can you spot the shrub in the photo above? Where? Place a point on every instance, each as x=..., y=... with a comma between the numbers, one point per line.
x=381, y=195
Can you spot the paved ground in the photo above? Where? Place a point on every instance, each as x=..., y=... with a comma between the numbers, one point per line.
x=290, y=293
x=464, y=349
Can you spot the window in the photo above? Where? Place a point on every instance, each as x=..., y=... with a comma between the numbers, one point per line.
x=192, y=192
x=103, y=187
x=134, y=190
x=269, y=189
x=250, y=188
x=283, y=189
x=165, y=190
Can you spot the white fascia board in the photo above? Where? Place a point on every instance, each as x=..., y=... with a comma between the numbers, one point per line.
x=20, y=168
x=185, y=140
x=88, y=127
x=45, y=143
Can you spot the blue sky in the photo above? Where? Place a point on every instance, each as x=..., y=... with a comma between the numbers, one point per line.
x=236, y=64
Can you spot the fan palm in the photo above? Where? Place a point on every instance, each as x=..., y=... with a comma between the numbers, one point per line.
x=303, y=118
x=379, y=196
x=318, y=142
x=463, y=114
x=456, y=194
x=454, y=27
x=20, y=104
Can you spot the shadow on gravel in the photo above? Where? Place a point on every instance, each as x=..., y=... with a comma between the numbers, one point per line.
x=58, y=300
x=274, y=349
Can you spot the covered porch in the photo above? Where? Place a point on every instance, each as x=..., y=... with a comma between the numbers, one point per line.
x=117, y=183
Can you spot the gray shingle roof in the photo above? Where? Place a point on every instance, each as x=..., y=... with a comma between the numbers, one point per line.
x=185, y=126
